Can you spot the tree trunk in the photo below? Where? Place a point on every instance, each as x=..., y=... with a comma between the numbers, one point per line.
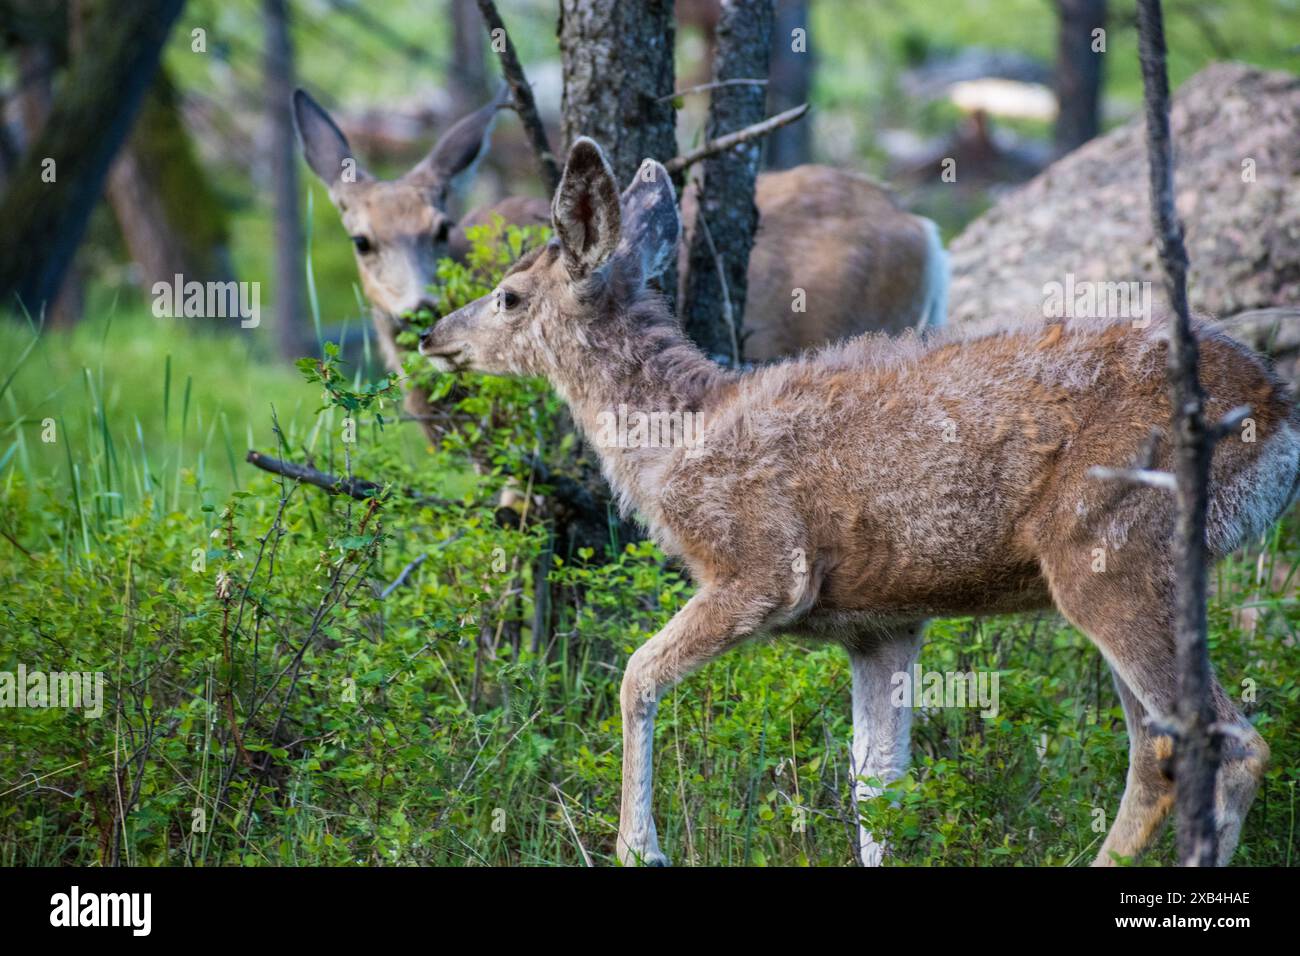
x=1196, y=759
x=727, y=217
x=1078, y=72
x=282, y=156
x=170, y=219
x=45, y=220
x=468, y=78
x=618, y=64
x=789, y=84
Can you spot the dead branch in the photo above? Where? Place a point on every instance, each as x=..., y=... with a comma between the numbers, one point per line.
x=704, y=87
x=524, y=103
x=358, y=488
x=724, y=143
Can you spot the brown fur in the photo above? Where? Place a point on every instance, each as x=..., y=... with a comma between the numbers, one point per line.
x=853, y=493
x=859, y=257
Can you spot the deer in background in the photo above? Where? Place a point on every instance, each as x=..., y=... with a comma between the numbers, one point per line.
x=851, y=494
x=400, y=228
x=864, y=263
x=871, y=265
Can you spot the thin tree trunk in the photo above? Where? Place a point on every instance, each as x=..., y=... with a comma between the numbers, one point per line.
x=727, y=217
x=1078, y=72
x=44, y=220
x=170, y=219
x=789, y=84
x=468, y=77
x=290, y=277
x=1196, y=758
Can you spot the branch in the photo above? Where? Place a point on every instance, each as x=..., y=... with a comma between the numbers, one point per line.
x=524, y=103
x=724, y=143
x=716, y=84
x=358, y=488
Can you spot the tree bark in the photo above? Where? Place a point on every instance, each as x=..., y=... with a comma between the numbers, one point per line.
x=789, y=84
x=468, y=78
x=1078, y=72
x=618, y=62
x=1196, y=758
x=727, y=217
x=45, y=221
x=170, y=219
x=282, y=161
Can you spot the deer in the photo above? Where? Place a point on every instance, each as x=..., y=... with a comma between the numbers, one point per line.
x=879, y=267
x=853, y=493
x=400, y=228
x=864, y=262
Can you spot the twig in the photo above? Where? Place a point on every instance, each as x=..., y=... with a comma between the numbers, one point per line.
x=716, y=84
x=724, y=143
x=728, y=313
x=358, y=488
x=401, y=578
x=524, y=103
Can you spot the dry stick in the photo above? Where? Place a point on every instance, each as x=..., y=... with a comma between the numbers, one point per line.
x=716, y=84
x=728, y=313
x=358, y=488
x=1197, y=746
x=723, y=143
x=525, y=105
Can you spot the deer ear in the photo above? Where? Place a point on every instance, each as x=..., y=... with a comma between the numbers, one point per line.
x=457, y=152
x=651, y=224
x=585, y=211
x=324, y=146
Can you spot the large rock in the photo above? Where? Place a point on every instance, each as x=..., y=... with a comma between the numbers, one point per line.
x=1089, y=214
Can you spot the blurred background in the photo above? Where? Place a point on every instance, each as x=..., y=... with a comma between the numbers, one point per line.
x=894, y=86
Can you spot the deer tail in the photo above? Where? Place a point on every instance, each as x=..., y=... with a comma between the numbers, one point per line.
x=934, y=303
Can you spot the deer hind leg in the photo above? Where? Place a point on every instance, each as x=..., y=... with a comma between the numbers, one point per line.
x=881, y=731
x=711, y=622
x=1128, y=612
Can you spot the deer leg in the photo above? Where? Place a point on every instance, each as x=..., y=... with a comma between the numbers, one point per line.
x=881, y=731
x=710, y=623
x=1148, y=791
x=1128, y=612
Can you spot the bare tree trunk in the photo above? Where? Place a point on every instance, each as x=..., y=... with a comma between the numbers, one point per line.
x=1078, y=72
x=618, y=63
x=1197, y=755
x=789, y=84
x=468, y=78
x=170, y=219
x=282, y=155
x=45, y=220
x=727, y=217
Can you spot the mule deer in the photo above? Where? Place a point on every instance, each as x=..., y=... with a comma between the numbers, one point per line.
x=400, y=228
x=864, y=263
x=854, y=493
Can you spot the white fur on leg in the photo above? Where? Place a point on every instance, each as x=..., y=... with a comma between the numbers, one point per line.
x=881, y=731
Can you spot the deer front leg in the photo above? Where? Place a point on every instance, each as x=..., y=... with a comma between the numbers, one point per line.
x=881, y=731
x=711, y=622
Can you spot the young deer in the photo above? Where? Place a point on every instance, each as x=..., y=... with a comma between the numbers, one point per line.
x=854, y=493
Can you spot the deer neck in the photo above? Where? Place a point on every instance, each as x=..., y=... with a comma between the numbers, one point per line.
x=642, y=401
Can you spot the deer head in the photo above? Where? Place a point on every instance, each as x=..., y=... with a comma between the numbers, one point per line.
x=559, y=302
x=400, y=228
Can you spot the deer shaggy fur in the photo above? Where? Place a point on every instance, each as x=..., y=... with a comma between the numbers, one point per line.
x=857, y=491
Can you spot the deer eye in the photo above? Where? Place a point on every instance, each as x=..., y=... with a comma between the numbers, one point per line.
x=362, y=244
x=444, y=230
x=507, y=300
